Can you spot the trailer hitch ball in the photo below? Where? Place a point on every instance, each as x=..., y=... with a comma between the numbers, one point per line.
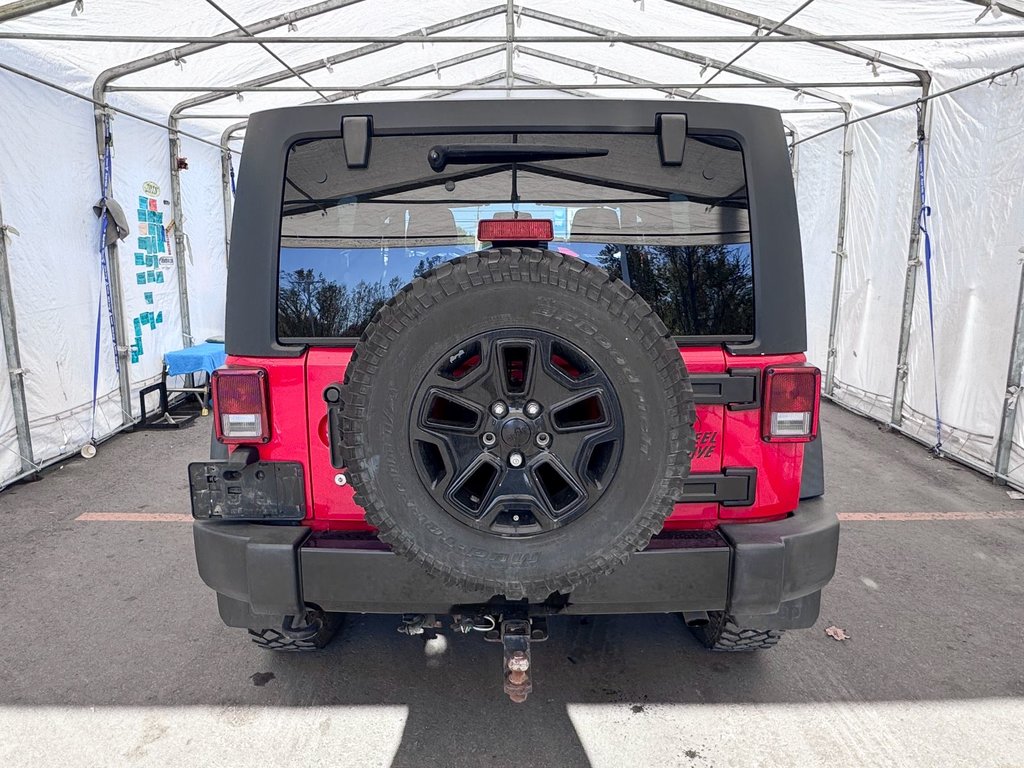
x=518, y=662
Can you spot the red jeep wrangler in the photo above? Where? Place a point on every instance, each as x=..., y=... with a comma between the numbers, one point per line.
x=503, y=360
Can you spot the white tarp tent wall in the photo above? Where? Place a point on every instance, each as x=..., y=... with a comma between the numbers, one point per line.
x=870, y=91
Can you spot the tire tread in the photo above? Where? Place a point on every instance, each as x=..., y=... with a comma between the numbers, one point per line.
x=464, y=273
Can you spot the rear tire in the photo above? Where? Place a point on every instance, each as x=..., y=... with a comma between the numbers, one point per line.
x=723, y=635
x=276, y=640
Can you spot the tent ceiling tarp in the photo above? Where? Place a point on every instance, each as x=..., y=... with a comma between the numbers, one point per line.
x=202, y=66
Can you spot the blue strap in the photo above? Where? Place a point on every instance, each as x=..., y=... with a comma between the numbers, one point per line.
x=231, y=172
x=922, y=224
x=105, y=274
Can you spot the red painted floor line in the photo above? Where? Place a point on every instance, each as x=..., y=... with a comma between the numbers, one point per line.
x=133, y=517
x=1004, y=514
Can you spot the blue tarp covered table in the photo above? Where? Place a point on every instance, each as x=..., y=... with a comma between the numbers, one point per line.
x=202, y=357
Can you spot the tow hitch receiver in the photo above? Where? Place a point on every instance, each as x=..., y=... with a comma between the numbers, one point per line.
x=515, y=636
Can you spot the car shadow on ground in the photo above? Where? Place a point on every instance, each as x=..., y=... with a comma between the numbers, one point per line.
x=454, y=699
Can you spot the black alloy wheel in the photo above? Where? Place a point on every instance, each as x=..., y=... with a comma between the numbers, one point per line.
x=516, y=432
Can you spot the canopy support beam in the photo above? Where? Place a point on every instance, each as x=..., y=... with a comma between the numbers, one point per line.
x=392, y=81
x=99, y=89
x=676, y=53
x=174, y=145
x=499, y=76
x=331, y=61
x=910, y=285
x=753, y=45
x=229, y=199
x=266, y=48
x=793, y=33
x=598, y=71
x=840, y=253
x=803, y=37
x=1006, y=6
x=19, y=8
x=366, y=87
x=510, y=33
x=9, y=324
x=1014, y=392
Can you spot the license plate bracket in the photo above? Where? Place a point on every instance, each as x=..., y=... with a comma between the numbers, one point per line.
x=262, y=490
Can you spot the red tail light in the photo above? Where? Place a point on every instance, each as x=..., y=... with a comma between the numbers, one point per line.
x=791, y=399
x=515, y=230
x=240, y=405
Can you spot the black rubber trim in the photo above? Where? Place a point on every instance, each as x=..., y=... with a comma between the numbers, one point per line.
x=735, y=487
x=812, y=479
x=256, y=564
x=767, y=573
x=687, y=572
x=723, y=388
x=777, y=562
x=779, y=314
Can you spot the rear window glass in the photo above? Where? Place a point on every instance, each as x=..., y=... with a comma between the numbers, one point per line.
x=678, y=235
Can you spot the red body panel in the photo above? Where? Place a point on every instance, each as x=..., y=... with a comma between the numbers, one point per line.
x=725, y=438
x=333, y=505
x=779, y=465
x=707, y=452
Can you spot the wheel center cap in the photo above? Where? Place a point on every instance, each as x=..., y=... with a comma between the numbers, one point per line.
x=516, y=432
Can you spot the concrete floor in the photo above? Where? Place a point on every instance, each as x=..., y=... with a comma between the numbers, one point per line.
x=112, y=652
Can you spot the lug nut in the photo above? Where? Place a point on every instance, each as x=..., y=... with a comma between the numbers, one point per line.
x=532, y=409
x=489, y=439
x=515, y=459
x=499, y=409
x=543, y=439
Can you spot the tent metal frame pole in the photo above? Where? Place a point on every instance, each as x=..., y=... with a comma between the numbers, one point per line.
x=499, y=77
x=266, y=49
x=229, y=199
x=364, y=87
x=340, y=58
x=899, y=389
x=840, y=253
x=208, y=41
x=759, y=38
x=105, y=78
x=674, y=52
x=390, y=82
x=510, y=33
x=492, y=79
x=792, y=33
x=99, y=92
x=174, y=145
x=1004, y=6
x=116, y=286
x=225, y=181
x=1014, y=392
x=8, y=320
x=596, y=70
x=990, y=77
x=19, y=8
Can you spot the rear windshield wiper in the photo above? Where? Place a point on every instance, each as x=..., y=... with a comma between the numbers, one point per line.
x=441, y=156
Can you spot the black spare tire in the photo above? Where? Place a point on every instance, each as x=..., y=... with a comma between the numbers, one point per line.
x=517, y=421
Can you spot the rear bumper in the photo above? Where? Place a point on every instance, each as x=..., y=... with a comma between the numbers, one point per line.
x=766, y=574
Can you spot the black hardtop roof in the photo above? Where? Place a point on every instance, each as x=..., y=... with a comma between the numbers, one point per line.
x=251, y=322
x=468, y=115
